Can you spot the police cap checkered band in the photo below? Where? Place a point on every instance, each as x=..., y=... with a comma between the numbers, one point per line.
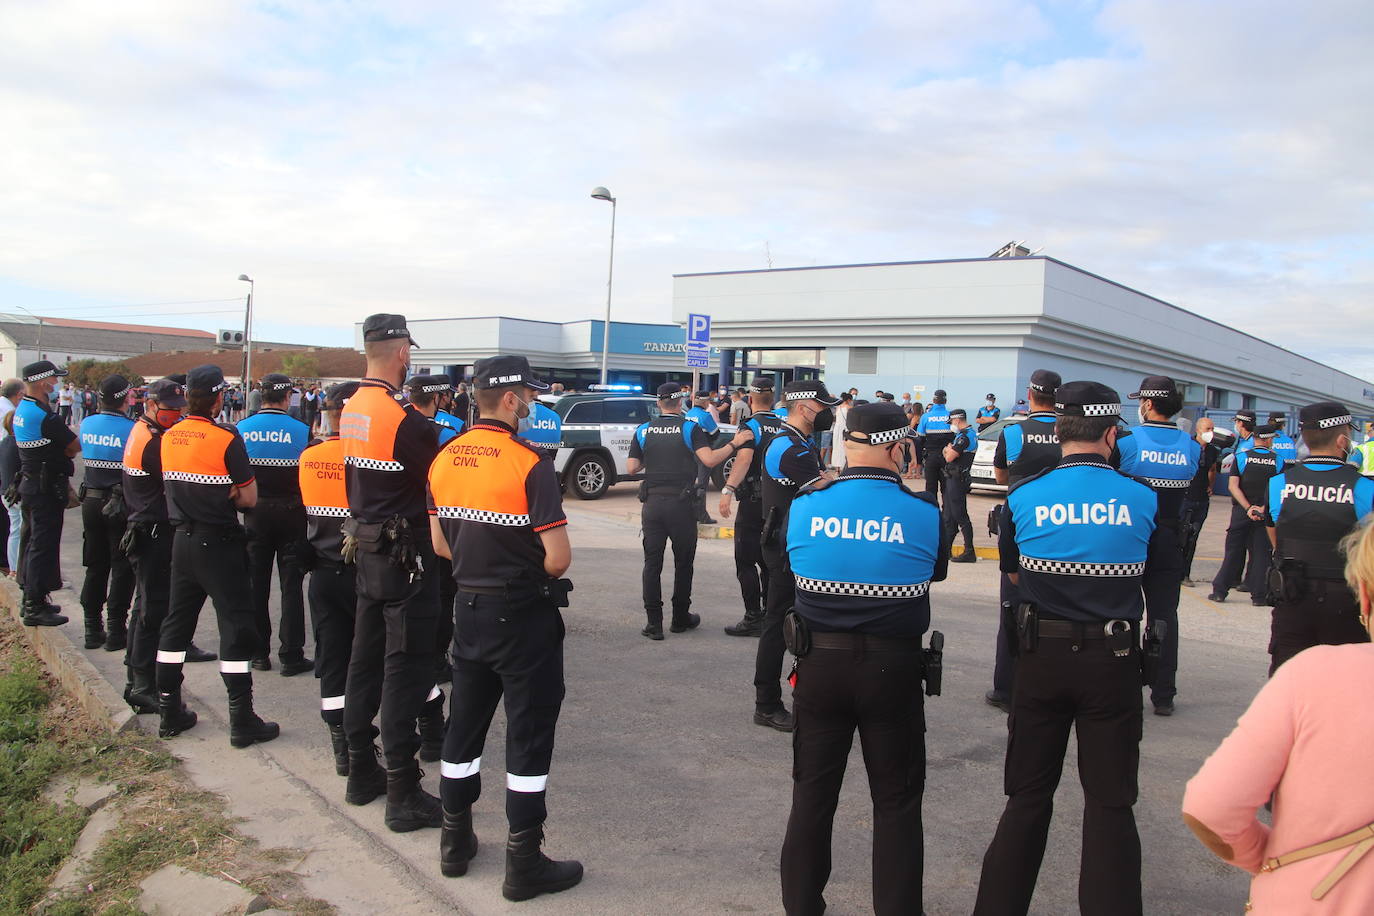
x=36, y=372
x=959, y=412
x=114, y=387
x=761, y=383
x=891, y=435
x=1155, y=386
x=808, y=390
x=1334, y=421
x=671, y=391
x=429, y=384
x=877, y=424
x=275, y=381
x=1045, y=381
x=1087, y=399
x=799, y=395
x=1324, y=415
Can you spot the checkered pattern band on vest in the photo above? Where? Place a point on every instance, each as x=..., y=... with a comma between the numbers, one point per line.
x=800, y=395
x=374, y=464
x=1073, y=568
x=136, y=472
x=36, y=443
x=188, y=477
x=275, y=462
x=1162, y=484
x=483, y=515
x=329, y=511
x=1334, y=421
x=862, y=590
x=785, y=481
x=101, y=463
x=1093, y=410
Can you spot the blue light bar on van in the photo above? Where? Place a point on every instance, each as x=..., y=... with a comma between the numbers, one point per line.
x=615, y=387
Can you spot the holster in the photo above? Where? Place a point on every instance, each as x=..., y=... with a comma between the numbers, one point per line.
x=114, y=503
x=11, y=495
x=796, y=635
x=1009, y=633
x=934, y=665
x=1288, y=580
x=1027, y=628
x=555, y=591
x=995, y=519
x=769, y=536
x=644, y=491
x=1152, y=654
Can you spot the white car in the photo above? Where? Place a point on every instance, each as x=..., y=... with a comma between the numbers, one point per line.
x=982, y=470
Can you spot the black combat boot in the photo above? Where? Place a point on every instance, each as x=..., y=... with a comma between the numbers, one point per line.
x=175, y=717
x=95, y=628
x=37, y=612
x=968, y=556
x=246, y=726
x=141, y=692
x=457, y=843
x=408, y=806
x=339, y=744
x=118, y=633
x=530, y=873
x=366, y=779
x=751, y=625
x=431, y=723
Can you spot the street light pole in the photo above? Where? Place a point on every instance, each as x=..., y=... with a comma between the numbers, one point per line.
x=247, y=337
x=600, y=193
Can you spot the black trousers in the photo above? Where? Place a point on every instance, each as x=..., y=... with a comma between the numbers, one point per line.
x=333, y=600
x=1195, y=512
x=391, y=669
x=668, y=518
x=443, y=632
x=42, y=572
x=508, y=647
x=152, y=563
x=1244, y=537
x=1328, y=614
x=750, y=569
x=879, y=694
x=10, y=562
x=934, y=467
x=278, y=534
x=1098, y=695
x=109, y=582
x=954, y=513
x=782, y=588
x=1161, y=589
x=1004, y=668
x=213, y=563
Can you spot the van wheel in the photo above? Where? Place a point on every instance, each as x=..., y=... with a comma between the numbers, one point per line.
x=721, y=472
x=588, y=476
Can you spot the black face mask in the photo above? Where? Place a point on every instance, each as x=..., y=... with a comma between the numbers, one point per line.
x=823, y=420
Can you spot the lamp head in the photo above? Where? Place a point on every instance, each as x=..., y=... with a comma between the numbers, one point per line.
x=245, y=278
x=601, y=193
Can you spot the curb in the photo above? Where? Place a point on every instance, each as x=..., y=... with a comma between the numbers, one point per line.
x=65, y=662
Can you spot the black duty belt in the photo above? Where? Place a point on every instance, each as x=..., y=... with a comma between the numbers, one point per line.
x=864, y=641
x=497, y=591
x=1072, y=629
x=288, y=501
x=95, y=492
x=194, y=527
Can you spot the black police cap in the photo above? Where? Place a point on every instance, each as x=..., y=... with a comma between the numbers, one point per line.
x=940, y=394
x=1086, y=399
x=670, y=391
x=889, y=397
x=500, y=371
x=958, y=412
x=1266, y=431
x=36, y=372
x=1277, y=417
x=1245, y=415
x=207, y=379
x=429, y=384
x=339, y=392
x=1324, y=415
x=1045, y=382
x=276, y=383
x=761, y=383
x=877, y=424
x=1155, y=386
x=114, y=387
x=168, y=392
x=991, y=396
x=809, y=390
x=387, y=327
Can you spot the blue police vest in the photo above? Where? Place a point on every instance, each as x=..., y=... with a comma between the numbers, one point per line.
x=103, y=437
x=445, y=431
x=545, y=431
x=1163, y=456
x=864, y=552
x=274, y=440
x=1082, y=531
x=705, y=418
x=1285, y=448
x=448, y=421
x=934, y=422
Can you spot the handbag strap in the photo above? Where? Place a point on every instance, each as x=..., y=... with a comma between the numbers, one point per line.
x=1362, y=840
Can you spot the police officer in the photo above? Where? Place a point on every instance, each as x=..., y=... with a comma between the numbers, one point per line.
x=207, y=477
x=1245, y=535
x=790, y=462
x=388, y=448
x=1079, y=538
x=864, y=550
x=333, y=592
x=934, y=433
x=1023, y=450
x=148, y=537
x=1312, y=504
x=1244, y=424
x=1284, y=446
x=46, y=447
x=497, y=511
x=1197, y=499
x=958, y=457
x=109, y=583
x=275, y=440
x=667, y=450
x=746, y=485
x=1166, y=458
x=430, y=394
x=704, y=414
x=989, y=413
x=543, y=429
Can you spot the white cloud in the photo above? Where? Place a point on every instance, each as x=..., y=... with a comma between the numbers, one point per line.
x=434, y=159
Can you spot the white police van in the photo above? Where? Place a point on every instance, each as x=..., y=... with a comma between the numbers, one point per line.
x=597, y=430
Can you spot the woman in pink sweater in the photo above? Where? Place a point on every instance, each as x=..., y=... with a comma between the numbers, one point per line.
x=1307, y=739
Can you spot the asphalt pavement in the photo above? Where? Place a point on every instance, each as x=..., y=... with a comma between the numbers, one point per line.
x=676, y=802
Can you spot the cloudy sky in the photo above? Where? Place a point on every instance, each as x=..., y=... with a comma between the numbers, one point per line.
x=435, y=158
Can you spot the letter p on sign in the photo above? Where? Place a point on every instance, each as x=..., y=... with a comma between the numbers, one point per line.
x=699, y=328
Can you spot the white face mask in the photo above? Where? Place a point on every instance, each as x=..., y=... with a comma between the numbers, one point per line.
x=1207, y=436
x=1141, y=411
